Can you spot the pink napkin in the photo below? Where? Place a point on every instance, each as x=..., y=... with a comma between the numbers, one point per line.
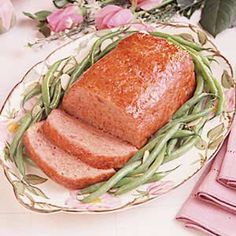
x=208, y=218
x=211, y=208
x=214, y=192
x=198, y=212
x=227, y=175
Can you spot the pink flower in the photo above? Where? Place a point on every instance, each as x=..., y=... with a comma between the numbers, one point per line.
x=230, y=97
x=159, y=188
x=7, y=15
x=148, y=4
x=65, y=18
x=104, y=202
x=112, y=16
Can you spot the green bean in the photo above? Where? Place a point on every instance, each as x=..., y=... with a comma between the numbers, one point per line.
x=185, y=119
x=198, y=107
x=200, y=125
x=92, y=188
x=112, y=181
x=204, y=58
x=151, y=144
x=187, y=105
x=45, y=86
x=19, y=159
x=158, y=147
x=189, y=143
x=201, y=67
x=181, y=150
x=179, y=40
x=38, y=116
x=221, y=98
x=71, y=70
x=139, y=154
x=220, y=92
x=155, y=177
x=56, y=96
x=108, y=49
x=200, y=85
x=98, y=43
x=192, y=117
x=182, y=133
x=144, y=178
x=82, y=66
x=24, y=124
x=171, y=145
x=33, y=92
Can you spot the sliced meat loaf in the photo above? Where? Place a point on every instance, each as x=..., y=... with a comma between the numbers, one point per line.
x=60, y=166
x=89, y=144
x=133, y=90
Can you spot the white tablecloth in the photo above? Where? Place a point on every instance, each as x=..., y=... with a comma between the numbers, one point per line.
x=154, y=218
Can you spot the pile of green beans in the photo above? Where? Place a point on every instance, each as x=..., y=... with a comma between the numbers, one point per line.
x=175, y=138
x=50, y=92
x=167, y=144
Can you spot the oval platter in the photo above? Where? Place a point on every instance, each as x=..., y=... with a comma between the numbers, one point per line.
x=39, y=193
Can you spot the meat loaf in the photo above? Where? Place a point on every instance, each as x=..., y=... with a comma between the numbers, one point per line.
x=91, y=145
x=62, y=167
x=135, y=89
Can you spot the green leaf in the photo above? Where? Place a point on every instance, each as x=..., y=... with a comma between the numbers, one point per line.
x=215, y=132
x=45, y=30
x=36, y=191
x=30, y=15
x=202, y=38
x=7, y=155
x=60, y=3
x=19, y=159
x=218, y=15
x=226, y=80
x=19, y=187
x=187, y=37
x=201, y=144
x=42, y=15
x=214, y=144
x=34, y=179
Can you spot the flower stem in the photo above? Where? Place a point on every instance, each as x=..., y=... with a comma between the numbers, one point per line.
x=163, y=4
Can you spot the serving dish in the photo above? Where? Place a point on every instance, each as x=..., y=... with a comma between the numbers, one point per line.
x=39, y=193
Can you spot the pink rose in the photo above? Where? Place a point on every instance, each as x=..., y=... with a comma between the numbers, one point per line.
x=65, y=18
x=7, y=15
x=148, y=4
x=112, y=16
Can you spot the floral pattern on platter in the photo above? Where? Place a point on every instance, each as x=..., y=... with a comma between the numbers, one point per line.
x=39, y=193
x=106, y=201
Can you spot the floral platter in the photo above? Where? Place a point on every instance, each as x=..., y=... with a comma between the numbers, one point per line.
x=38, y=193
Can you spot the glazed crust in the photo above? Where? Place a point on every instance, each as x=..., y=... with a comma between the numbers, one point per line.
x=135, y=89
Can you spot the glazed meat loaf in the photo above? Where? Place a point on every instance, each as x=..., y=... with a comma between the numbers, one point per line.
x=133, y=90
x=89, y=144
x=62, y=167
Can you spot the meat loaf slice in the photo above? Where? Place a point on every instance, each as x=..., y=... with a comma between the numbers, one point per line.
x=62, y=167
x=90, y=145
x=135, y=89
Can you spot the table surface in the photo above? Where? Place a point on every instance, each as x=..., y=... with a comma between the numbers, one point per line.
x=155, y=217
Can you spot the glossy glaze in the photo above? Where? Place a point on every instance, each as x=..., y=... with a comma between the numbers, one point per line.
x=137, y=87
